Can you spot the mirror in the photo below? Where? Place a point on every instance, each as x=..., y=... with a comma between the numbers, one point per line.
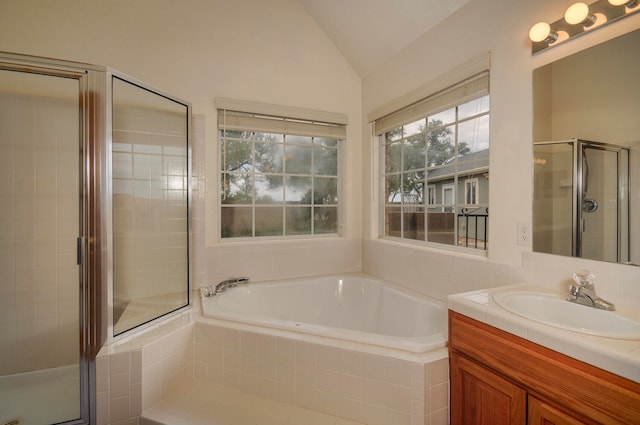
x=586, y=133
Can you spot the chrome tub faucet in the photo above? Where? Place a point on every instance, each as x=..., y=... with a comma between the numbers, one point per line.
x=210, y=290
x=584, y=292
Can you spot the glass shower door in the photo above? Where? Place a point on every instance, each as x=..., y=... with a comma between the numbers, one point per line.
x=553, y=198
x=599, y=204
x=150, y=162
x=581, y=200
x=40, y=151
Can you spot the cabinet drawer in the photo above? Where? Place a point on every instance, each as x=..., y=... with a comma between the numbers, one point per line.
x=541, y=413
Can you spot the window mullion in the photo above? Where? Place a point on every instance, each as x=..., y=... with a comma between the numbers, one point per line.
x=253, y=181
x=456, y=207
x=313, y=186
x=402, y=206
x=425, y=185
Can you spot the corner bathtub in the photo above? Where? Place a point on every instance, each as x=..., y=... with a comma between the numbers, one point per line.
x=354, y=307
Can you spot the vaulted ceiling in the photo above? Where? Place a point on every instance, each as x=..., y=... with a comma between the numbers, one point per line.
x=371, y=32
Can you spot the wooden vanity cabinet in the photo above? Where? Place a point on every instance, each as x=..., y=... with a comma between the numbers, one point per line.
x=498, y=378
x=482, y=396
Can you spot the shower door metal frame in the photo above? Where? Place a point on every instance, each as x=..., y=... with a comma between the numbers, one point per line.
x=92, y=176
x=579, y=179
x=578, y=195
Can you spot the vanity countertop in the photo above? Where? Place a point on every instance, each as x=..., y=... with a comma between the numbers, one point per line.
x=618, y=356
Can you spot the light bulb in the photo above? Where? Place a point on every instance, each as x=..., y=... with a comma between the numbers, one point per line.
x=578, y=13
x=627, y=3
x=542, y=32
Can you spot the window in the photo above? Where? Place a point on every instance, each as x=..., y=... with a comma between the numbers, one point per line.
x=278, y=176
x=441, y=143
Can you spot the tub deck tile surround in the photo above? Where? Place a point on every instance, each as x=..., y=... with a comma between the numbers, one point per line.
x=331, y=382
x=364, y=387
x=207, y=403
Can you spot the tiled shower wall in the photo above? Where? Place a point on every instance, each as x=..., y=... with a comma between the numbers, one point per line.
x=149, y=178
x=150, y=195
x=38, y=229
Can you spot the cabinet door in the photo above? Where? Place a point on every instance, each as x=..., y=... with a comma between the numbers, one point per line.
x=480, y=397
x=541, y=413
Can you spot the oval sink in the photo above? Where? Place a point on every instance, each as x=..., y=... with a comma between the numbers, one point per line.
x=553, y=310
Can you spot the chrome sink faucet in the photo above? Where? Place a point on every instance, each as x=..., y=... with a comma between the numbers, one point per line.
x=584, y=292
x=210, y=290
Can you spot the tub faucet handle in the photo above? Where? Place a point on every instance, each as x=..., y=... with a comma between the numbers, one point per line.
x=208, y=291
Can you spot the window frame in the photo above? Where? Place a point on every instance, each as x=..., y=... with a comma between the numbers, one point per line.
x=299, y=125
x=459, y=176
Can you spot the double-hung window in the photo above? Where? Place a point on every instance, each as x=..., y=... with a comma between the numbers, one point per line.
x=279, y=175
x=435, y=167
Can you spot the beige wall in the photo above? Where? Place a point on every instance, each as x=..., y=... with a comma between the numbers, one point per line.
x=272, y=51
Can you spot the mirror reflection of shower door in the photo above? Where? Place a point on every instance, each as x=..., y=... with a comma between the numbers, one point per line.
x=553, y=198
x=599, y=204
x=40, y=148
x=581, y=200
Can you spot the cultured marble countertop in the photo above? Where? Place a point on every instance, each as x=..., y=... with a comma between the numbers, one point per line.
x=619, y=356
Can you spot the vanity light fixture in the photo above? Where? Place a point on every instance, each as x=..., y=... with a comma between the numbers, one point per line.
x=578, y=19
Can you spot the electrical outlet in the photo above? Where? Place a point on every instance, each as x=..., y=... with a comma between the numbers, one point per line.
x=524, y=235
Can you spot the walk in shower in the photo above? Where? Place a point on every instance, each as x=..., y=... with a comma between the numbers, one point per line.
x=581, y=200
x=94, y=226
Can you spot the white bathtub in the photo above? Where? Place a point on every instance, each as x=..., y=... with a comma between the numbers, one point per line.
x=352, y=307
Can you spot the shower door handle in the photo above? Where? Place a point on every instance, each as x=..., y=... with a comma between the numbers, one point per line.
x=79, y=241
x=589, y=205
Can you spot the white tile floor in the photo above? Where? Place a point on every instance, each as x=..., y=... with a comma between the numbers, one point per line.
x=204, y=403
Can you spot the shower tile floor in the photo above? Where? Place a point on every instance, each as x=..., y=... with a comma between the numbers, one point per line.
x=204, y=403
x=40, y=398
